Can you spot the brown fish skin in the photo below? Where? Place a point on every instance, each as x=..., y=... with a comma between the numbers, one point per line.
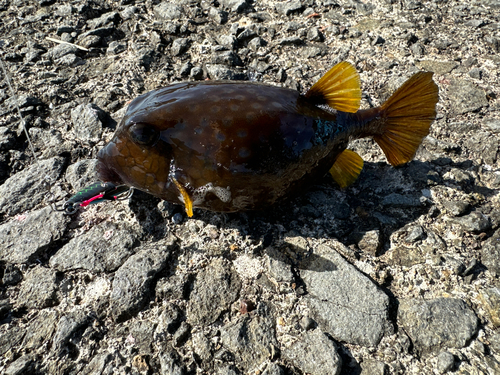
x=229, y=145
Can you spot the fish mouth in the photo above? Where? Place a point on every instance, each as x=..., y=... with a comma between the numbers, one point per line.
x=105, y=171
x=107, y=174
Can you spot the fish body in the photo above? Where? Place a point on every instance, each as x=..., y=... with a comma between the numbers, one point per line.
x=232, y=146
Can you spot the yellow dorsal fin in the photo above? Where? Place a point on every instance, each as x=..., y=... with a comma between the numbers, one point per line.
x=407, y=116
x=346, y=168
x=188, y=203
x=339, y=88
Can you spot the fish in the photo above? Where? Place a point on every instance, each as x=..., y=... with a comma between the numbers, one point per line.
x=229, y=146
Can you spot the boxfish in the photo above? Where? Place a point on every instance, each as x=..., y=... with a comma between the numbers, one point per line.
x=229, y=146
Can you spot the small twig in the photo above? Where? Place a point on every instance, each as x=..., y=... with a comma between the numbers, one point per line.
x=64, y=42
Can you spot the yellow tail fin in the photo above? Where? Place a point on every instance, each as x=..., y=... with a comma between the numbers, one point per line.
x=408, y=114
x=339, y=88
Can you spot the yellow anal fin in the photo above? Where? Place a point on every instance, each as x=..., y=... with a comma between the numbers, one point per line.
x=346, y=168
x=408, y=114
x=188, y=203
x=339, y=88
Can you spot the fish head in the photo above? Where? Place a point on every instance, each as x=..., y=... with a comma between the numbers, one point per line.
x=137, y=157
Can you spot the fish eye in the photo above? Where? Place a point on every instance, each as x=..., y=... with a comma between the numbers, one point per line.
x=143, y=134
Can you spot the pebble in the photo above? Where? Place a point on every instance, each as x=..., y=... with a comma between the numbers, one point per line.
x=25, y=239
x=437, y=323
x=466, y=97
x=314, y=353
x=490, y=301
x=251, y=339
x=105, y=247
x=445, y=362
x=133, y=279
x=360, y=319
x=25, y=190
x=215, y=289
x=38, y=290
x=87, y=122
x=490, y=253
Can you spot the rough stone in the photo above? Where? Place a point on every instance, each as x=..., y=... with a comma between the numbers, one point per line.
x=490, y=301
x=438, y=323
x=168, y=11
x=38, y=290
x=216, y=287
x=252, y=339
x=490, y=253
x=474, y=222
x=26, y=189
x=25, y=238
x=105, y=247
x=87, y=122
x=355, y=311
x=373, y=367
x=40, y=329
x=445, y=362
x=466, y=97
x=314, y=353
x=131, y=285
x=22, y=365
x=67, y=326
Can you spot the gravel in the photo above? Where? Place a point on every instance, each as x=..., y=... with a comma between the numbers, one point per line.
x=397, y=274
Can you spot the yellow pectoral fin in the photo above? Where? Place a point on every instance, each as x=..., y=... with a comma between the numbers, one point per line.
x=347, y=168
x=188, y=203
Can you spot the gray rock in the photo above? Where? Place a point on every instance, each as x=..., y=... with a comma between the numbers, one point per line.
x=179, y=46
x=373, y=367
x=288, y=7
x=438, y=323
x=445, y=362
x=103, y=20
x=216, y=287
x=355, y=311
x=369, y=242
x=457, y=208
x=314, y=353
x=81, y=174
x=40, y=329
x=61, y=50
x=474, y=222
x=490, y=253
x=219, y=16
x=168, y=11
x=12, y=275
x=237, y=6
x=130, y=290
x=251, y=338
x=25, y=239
x=5, y=307
x=493, y=124
x=466, y=97
x=10, y=339
x=490, y=301
x=273, y=369
x=26, y=189
x=218, y=72
x=21, y=366
x=48, y=140
x=314, y=35
x=116, y=47
x=278, y=266
x=226, y=58
x=169, y=320
x=38, y=290
x=88, y=122
x=101, y=363
x=7, y=138
x=439, y=67
x=171, y=363
x=105, y=247
x=67, y=326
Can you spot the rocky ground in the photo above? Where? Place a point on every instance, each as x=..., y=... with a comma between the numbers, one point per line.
x=398, y=274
